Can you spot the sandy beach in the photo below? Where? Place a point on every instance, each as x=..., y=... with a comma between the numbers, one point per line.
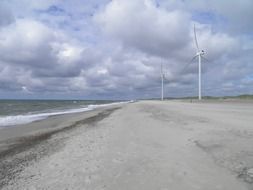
x=143, y=145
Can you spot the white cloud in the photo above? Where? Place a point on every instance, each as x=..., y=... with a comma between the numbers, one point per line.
x=142, y=25
x=56, y=47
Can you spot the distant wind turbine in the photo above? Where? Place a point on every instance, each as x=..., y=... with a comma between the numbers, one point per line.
x=162, y=79
x=199, y=54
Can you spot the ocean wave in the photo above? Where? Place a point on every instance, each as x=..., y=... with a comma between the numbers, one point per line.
x=25, y=119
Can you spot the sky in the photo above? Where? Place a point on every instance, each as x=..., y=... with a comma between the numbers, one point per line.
x=113, y=49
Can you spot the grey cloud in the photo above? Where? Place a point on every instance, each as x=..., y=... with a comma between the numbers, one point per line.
x=230, y=15
x=6, y=16
x=37, y=56
x=238, y=13
x=33, y=46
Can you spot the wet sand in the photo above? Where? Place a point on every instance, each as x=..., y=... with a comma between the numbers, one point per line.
x=23, y=144
x=142, y=145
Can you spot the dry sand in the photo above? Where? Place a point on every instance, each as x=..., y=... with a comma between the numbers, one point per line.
x=144, y=145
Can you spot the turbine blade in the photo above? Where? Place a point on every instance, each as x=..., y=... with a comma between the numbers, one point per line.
x=161, y=69
x=185, y=67
x=165, y=77
x=202, y=57
x=196, y=41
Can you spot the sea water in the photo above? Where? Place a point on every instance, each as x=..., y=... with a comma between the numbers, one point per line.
x=14, y=112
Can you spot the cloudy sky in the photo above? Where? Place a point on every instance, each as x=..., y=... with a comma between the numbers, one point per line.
x=103, y=49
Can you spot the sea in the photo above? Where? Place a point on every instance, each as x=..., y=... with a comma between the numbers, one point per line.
x=15, y=112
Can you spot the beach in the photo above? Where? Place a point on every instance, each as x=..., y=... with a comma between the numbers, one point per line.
x=142, y=145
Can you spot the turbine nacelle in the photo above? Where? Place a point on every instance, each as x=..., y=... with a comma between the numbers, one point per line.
x=202, y=52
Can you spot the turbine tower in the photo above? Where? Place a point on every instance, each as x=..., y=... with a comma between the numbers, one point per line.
x=199, y=54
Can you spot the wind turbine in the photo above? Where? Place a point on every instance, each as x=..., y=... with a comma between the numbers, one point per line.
x=199, y=54
x=162, y=79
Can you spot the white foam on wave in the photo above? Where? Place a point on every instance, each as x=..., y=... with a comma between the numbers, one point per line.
x=24, y=119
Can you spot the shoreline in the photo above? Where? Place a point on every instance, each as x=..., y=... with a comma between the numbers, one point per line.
x=51, y=122
x=12, y=160
x=38, y=133
x=23, y=118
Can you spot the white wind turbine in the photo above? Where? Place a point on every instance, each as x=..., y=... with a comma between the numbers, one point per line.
x=162, y=79
x=199, y=54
